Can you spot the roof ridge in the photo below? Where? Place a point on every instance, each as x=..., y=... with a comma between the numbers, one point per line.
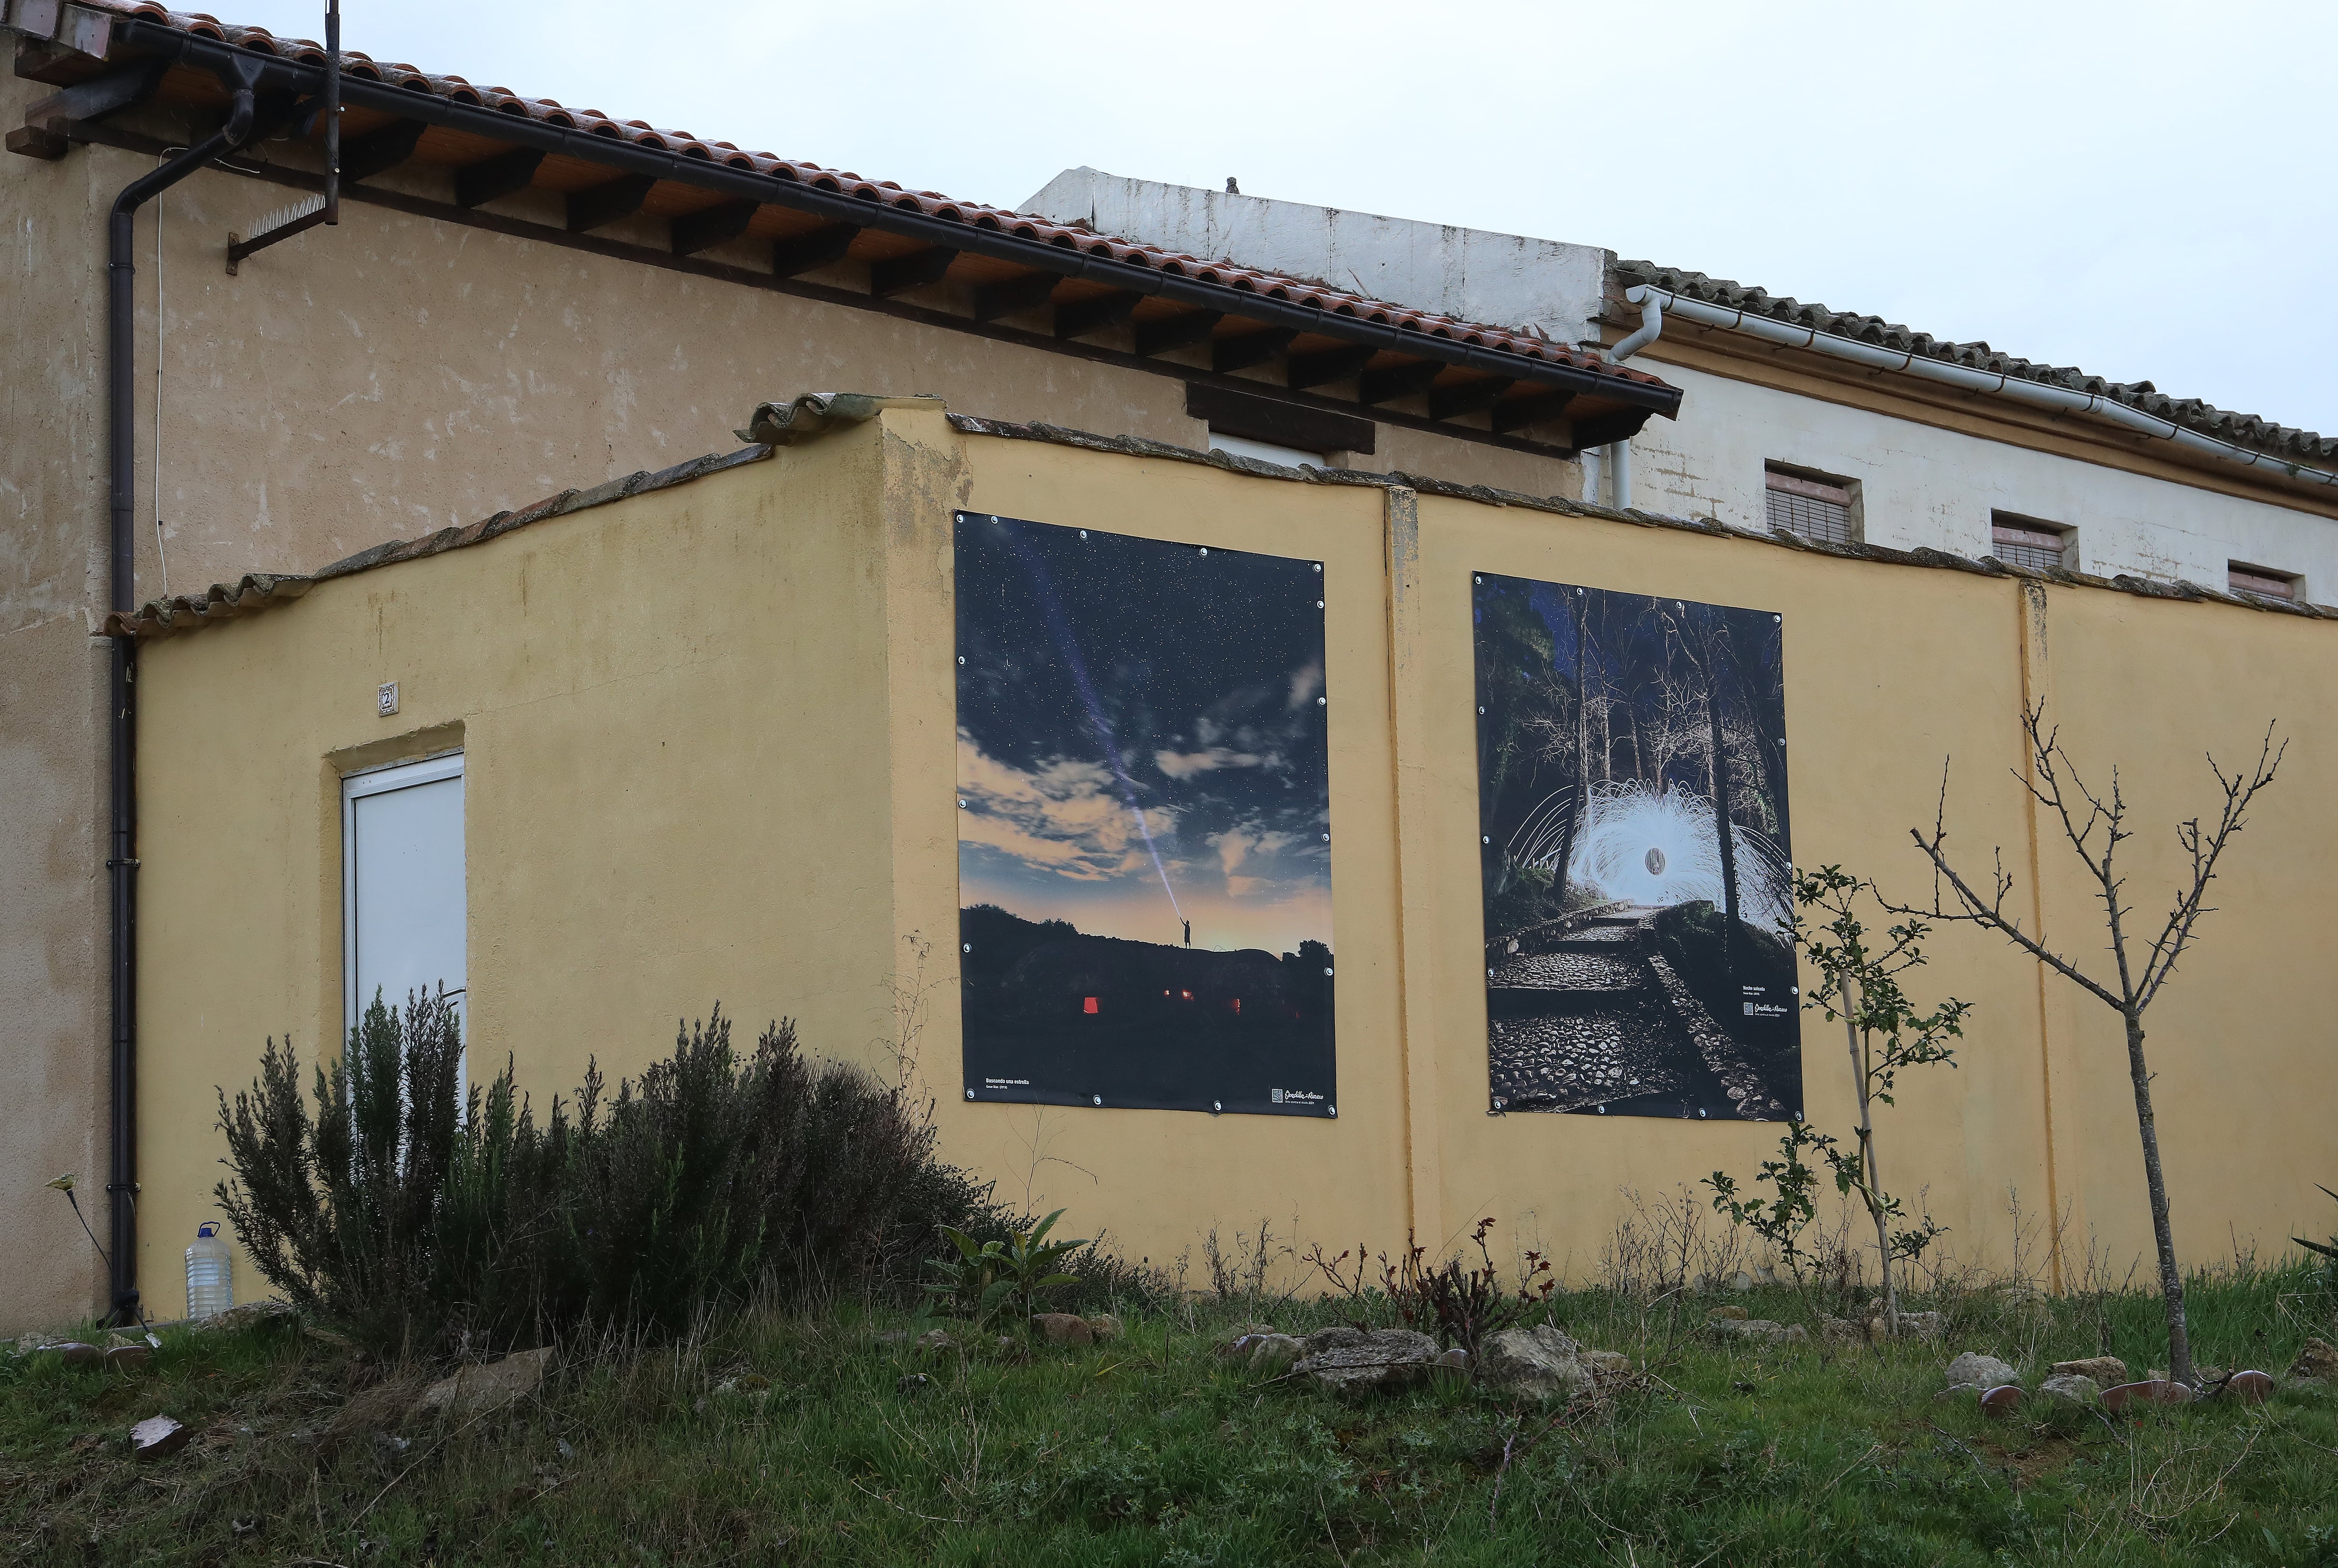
x=2193, y=413
x=1079, y=239
x=776, y=424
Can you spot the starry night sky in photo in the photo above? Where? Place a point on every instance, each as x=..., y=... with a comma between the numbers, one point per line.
x=1114, y=686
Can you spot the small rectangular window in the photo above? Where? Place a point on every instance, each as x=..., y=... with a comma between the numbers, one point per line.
x=2260, y=580
x=2028, y=542
x=1813, y=505
x=403, y=903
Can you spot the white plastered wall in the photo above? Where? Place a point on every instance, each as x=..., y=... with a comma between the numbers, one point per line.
x=1922, y=485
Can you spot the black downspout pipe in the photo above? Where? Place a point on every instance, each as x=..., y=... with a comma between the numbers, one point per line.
x=121, y=863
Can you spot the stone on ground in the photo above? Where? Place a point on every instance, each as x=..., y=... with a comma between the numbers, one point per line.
x=2076, y=1386
x=243, y=1316
x=489, y=1385
x=2107, y=1370
x=1106, y=1325
x=158, y=1437
x=1736, y=1314
x=2318, y=1360
x=1063, y=1327
x=1540, y=1362
x=1273, y=1352
x=1358, y=1362
x=1758, y=1329
x=1972, y=1367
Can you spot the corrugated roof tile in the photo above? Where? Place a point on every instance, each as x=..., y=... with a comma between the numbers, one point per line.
x=2242, y=429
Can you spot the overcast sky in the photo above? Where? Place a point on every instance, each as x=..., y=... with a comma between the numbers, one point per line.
x=2140, y=188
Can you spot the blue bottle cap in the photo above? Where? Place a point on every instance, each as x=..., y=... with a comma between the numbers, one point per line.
x=208, y=1228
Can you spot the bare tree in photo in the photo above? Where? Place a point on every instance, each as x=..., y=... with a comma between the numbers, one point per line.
x=2095, y=826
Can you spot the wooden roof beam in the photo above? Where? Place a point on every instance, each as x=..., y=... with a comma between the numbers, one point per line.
x=597, y=206
x=1386, y=385
x=1242, y=351
x=1445, y=402
x=900, y=274
x=1518, y=413
x=710, y=226
x=503, y=174
x=1162, y=333
x=1339, y=364
x=1008, y=295
x=822, y=247
x=1079, y=318
x=378, y=151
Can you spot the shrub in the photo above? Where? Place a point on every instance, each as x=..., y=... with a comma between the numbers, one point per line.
x=426, y=1217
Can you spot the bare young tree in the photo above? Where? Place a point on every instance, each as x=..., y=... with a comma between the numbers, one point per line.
x=2095, y=826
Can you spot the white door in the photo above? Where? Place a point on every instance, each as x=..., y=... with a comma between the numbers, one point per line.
x=402, y=904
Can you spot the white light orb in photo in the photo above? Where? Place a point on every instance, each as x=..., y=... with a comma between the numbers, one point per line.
x=1658, y=848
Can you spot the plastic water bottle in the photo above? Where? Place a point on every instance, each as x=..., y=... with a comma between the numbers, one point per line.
x=210, y=1273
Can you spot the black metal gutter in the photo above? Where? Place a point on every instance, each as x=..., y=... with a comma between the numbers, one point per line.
x=121, y=862
x=153, y=38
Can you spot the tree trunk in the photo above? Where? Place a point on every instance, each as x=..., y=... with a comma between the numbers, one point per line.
x=2171, y=1278
x=1870, y=1167
x=1582, y=762
x=1720, y=764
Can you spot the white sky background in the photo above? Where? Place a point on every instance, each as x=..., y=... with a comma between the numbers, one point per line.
x=2140, y=188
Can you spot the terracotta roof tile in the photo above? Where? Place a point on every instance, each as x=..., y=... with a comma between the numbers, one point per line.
x=1267, y=285
x=2242, y=429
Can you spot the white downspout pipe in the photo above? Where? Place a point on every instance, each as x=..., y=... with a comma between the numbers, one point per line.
x=2059, y=398
x=1619, y=453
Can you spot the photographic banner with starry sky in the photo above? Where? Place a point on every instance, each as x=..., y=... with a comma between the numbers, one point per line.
x=1639, y=961
x=1145, y=875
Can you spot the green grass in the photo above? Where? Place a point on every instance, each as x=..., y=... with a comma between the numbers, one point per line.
x=1150, y=1449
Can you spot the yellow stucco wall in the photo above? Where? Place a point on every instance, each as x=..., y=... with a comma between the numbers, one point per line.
x=709, y=737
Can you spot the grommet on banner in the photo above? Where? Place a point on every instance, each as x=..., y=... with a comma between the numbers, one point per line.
x=1603, y=1110
x=1083, y=533
x=970, y=1093
x=1217, y=1106
x=1319, y=565
x=1335, y=1112
x=967, y=948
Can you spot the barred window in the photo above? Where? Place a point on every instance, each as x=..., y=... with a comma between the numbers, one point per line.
x=2026, y=542
x=2264, y=580
x=1818, y=509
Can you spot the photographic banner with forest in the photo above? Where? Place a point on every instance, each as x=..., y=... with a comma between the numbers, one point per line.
x=1145, y=823
x=1639, y=960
